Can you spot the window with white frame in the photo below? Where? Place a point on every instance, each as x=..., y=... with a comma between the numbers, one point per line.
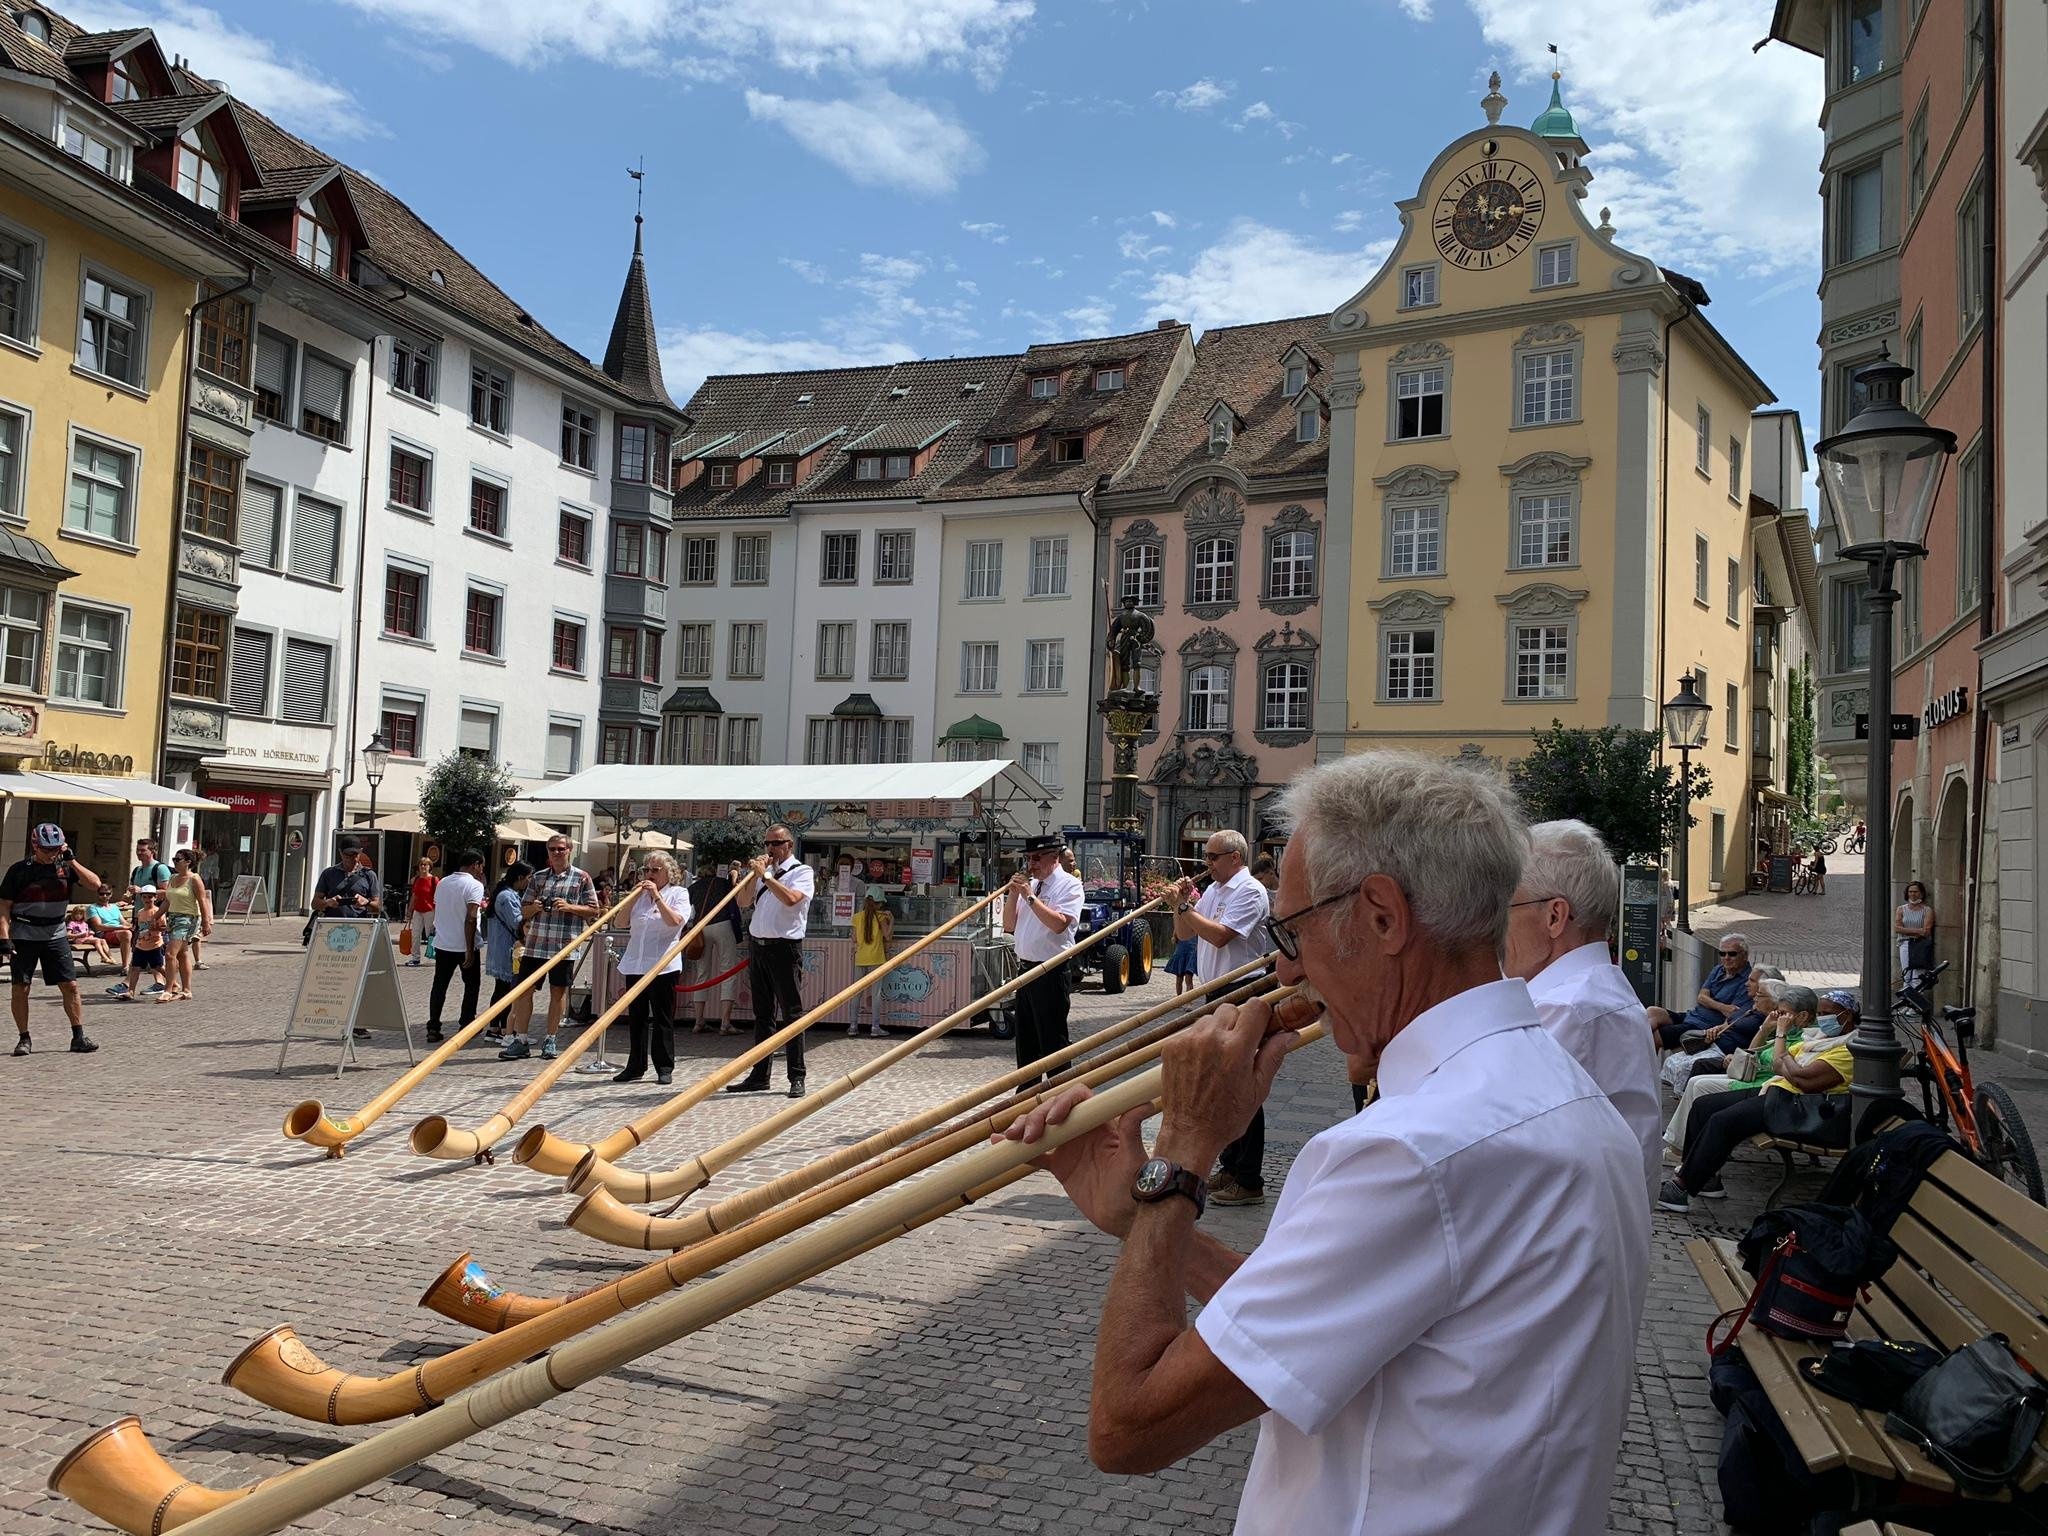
x=90, y=645
x=1045, y=386
x=1734, y=591
x=700, y=560
x=1049, y=565
x=566, y=650
x=21, y=262
x=565, y=748
x=984, y=568
x=323, y=398
x=315, y=239
x=483, y=621
x=1734, y=469
x=1543, y=661
x=313, y=550
x=978, y=666
x=722, y=477
x=304, y=685
x=1543, y=530
x=1284, y=701
x=867, y=466
x=894, y=552
x=274, y=360
x=95, y=150
x=414, y=363
x=896, y=466
x=1702, y=559
x=839, y=559
x=579, y=436
x=889, y=660
x=1415, y=539
x=1703, y=447
x=631, y=460
x=747, y=649
x=1139, y=576
x=1208, y=707
x=1549, y=387
x=1411, y=664
x=13, y=461
x=1002, y=455
x=405, y=600
x=749, y=559
x=1418, y=403
x=249, y=673
x=101, y=501
x=1291, y=565
x=572, y=537
x=1045, y=669
x=1042, y=762
x=1859, y=212
x=743, y=739
x=1555, y=265
x=1731, y=717
x=21, y=638
x=412, y=479
x=399, y=717
x=1069, y=448
x=1970, y=257
x=202, y=173
x=1418, y=286
x=1214, y=571
x=112, y=328
x=124, y=82
x=490, y=396
x=1308, y=423
x=1108, y=380
x=835, y=650
x=693, y=649
x=629, y=549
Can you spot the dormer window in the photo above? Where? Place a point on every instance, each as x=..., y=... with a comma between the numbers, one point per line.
x=1296, y=365
x=782, y=472
x=805, y=398
x=1221, y=425
x=896, y=467
x=123, y=83
x=867, y=467
x=95, y=151
x=438, y=278
x=201, y=175
x=1002, y=455
x=1045, y=386
x=1071, y=448
x=723, y=476
x=313, y=240
x=34, y=24
x=1108, y=380
x=1308, y=423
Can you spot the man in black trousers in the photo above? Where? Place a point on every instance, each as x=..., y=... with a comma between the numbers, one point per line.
x=1042, y=908
x=780, y=898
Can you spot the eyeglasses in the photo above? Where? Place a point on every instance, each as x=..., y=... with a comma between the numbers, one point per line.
x=1729, y=954
x=775, y=842
x=1211, y=858
x=558, y=848
x=1283, y=930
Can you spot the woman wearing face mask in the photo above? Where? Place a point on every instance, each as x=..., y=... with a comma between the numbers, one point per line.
x=1705, y=1052
x=1913, y=924
x=1806, y=1099
x=1837, y=1016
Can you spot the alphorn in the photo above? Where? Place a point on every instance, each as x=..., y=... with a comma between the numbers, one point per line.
x=593, y=1164
x=549, y=1154
x=465, y=1293
x=435, y=1137
x=116, y=1475
x=308, y=1121
x=279, y=1371
x=601, y=1216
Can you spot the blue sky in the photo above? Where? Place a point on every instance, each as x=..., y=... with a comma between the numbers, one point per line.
x=842, y=181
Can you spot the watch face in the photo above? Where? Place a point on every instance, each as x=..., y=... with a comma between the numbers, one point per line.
x=1488, y=215
x=1153, y=1177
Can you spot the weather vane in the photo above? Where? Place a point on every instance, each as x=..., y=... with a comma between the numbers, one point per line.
x=640, y=180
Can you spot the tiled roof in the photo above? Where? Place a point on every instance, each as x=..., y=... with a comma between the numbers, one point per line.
x=902, y=436
x=815, y=404
x=31, y=57
x=1239, y=365
x=1145, y=357
x=288, y=183
x=159, y=114
x=919, y=395
x=632, y=357
x=691, y=444
x=82, y=46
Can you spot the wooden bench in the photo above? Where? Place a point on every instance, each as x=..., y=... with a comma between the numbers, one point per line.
x=1816, y=1156
x=1872, y=1528
x=1970, y=1262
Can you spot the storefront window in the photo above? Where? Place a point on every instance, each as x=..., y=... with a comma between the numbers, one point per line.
x=263, y=832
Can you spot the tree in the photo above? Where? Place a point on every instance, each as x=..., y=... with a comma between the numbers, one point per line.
x=462, y=800
x=1802, y=781
x=1610, y=779
x=714, y=844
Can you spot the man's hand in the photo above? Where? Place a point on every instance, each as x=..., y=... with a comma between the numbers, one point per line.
x=1214, y=1075
x=759, y=864
x=1018, y=885
x=1183, y=892
x=1096, y=1170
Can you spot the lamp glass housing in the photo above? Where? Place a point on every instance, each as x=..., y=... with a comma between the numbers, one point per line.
x=1685, y=716
x=1881, y=470
x=376, y=757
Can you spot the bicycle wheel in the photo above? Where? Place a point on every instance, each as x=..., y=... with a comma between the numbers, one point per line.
x=2008, y=1148
x=1827, y=845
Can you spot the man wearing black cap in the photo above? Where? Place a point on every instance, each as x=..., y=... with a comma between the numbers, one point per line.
x=35, y=894
x=1042, y=907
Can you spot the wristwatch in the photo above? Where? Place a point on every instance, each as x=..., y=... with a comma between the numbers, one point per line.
x=1160, y=1178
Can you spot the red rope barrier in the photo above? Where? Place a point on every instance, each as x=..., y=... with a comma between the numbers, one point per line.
x=714, y=981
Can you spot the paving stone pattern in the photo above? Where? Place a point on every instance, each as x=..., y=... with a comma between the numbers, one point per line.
x=158, y=1221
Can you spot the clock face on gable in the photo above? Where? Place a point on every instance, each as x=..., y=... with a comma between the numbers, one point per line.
x=1489, y=214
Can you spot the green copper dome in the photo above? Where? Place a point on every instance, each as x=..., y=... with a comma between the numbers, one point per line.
x=1555, y=122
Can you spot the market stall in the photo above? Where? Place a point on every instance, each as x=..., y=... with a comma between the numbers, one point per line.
x=931, y=834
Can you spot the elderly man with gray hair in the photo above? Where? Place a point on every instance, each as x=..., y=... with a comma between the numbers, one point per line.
x=1437, y=1332
x=1557, y=942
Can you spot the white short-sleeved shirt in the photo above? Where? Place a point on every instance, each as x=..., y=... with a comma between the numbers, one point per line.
x=1239, y=904
x=453, y=897
x=1586, y=1003
x=1036, y=941
x=774, y=918
x=1442, y=1317
x=651, y=936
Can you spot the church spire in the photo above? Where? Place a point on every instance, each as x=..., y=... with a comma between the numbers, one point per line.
x=632, y=357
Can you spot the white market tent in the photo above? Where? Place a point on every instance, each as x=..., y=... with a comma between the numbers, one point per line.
x=64, y=789
x=762, y=783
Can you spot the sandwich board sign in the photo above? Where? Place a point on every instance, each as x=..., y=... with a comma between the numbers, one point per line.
x=246, y=892
x=347, y=983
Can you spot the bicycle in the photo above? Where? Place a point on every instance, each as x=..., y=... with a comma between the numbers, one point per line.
x=1982, y=1118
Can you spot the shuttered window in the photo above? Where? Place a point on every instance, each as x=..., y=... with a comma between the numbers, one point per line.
x=479, y=731
x=306, y=665
x=249, y=693
x=316, y=539
x=273, y=377
x=323, y=398
x=256, y=526
x=562, y=742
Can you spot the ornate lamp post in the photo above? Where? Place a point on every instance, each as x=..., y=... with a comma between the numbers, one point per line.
x=1880, y=473
x=1685, y=731
x=1128, y=711
x=376, y=757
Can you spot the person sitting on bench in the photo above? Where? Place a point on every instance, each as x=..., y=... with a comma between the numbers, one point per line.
x=1721, y=997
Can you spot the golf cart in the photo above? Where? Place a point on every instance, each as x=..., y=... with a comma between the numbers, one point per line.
x=1109, y=863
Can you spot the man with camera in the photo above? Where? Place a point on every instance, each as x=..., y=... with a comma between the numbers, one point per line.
x=35, y=894
x=560, y=902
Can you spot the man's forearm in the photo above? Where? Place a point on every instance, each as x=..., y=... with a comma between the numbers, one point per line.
x=1200, y=927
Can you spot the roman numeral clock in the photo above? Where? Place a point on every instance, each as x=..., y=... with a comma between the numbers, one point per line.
x=1489, y=213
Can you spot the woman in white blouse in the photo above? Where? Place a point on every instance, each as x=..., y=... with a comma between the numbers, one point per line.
x=657, y=917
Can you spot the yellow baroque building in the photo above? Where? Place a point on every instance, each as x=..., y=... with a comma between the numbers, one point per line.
x=1539, y=441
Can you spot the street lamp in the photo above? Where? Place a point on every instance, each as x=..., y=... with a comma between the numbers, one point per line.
x=1880, y=473
x=1685, y=732
x=1044, y=817
x=376, y=757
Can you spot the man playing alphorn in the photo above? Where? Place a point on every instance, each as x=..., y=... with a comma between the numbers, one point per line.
x=1439, y=1326
x=1042, y=908
x=781, y=901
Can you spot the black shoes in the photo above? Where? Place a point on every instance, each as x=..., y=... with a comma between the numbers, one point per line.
x=664, y=1078
x=83, y=1046
x=749, y=1085
x=631, y=1075
x=796, y=1087
x=362, y=1034
x=433, y=1035
x=21, y=1045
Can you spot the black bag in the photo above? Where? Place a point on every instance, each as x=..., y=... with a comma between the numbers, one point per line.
x=1765, y=1484
x=1808, y=1261
x=1880, y=1176
x=1976, y=1415
x=1822, y=1118
x=1871, y=1373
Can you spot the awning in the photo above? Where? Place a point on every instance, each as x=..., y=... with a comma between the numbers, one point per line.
x=400, y=818
x=858, y=706
x=63, y=789
x=237, y=770
x=692, y=701
x=650, y=839
x=524, y=829
x=973, y=728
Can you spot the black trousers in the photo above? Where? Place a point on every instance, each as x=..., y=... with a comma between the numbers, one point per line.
x=446, y=964
x=1245, y=1158
x=1720, y=1123
x=772, y=972
x=1041, y=1010
x=650, y=1020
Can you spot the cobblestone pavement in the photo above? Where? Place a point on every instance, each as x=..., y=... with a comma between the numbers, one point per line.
x=159, y=1222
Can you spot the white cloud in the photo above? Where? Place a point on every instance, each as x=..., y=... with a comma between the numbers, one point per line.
x=990, y=232
x=1199, y=97
x=1349, y=220
x=689, y=356
x=1093, y=316
x=278, y=85
x=863, y=37
x=1262, y=115
x=880, y=139
x=1164, y=220
x=1418, y=10
x=1257, y=272
x=1133, y=246
x=1724, y=141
